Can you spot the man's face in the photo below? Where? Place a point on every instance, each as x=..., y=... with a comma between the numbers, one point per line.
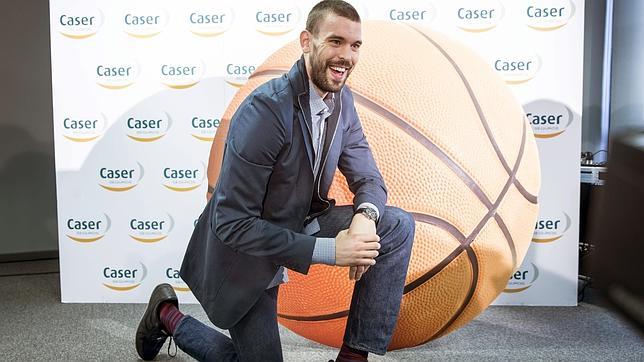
x=333, y=52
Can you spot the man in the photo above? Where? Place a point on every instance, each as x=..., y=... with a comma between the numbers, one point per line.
x=270, y=211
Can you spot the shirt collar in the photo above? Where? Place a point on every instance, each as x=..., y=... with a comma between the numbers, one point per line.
x=319, y=105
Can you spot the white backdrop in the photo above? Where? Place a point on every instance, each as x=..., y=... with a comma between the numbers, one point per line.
x=139, y=88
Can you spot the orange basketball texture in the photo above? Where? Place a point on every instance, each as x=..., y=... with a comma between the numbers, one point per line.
x=456, y=151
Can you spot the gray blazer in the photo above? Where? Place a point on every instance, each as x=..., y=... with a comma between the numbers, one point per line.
x=267, y=192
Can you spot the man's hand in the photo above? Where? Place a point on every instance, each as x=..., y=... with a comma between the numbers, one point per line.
x=360, y=225
x=356, y=272
x=356, y=249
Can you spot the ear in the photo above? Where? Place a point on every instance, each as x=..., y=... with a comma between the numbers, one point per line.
x=305, y=41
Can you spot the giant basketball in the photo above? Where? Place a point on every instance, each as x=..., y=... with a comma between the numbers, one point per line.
x=456, y=151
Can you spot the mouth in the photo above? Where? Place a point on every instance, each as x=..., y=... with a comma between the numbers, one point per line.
x=338, y=73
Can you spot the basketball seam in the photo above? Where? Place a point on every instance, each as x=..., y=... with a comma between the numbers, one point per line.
x=470, y=238
x=531, y=198
x=434, y=149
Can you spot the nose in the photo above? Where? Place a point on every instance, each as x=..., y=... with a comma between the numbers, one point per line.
x=347, y=53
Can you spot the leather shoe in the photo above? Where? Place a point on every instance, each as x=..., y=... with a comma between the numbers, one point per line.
x=150, y=335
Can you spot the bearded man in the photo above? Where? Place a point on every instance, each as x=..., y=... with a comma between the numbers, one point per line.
x=270, y=212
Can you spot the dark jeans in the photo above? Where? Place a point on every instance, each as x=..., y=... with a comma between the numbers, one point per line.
x=372, y=316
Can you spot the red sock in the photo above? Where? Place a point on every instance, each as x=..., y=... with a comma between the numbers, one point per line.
x=348, y=354
x=170, y=317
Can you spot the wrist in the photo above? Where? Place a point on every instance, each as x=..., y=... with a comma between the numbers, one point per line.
x=367, y=212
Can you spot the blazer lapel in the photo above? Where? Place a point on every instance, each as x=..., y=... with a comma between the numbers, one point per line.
x=304, y=115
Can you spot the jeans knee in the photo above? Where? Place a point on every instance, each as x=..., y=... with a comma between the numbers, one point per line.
x=403, y=222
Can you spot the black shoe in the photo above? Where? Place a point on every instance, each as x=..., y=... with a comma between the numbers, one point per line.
x=150, y=335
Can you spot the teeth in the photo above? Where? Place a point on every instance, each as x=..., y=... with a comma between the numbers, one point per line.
x=339, y=69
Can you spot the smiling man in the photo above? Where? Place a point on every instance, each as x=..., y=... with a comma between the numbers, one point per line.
x=270, y=212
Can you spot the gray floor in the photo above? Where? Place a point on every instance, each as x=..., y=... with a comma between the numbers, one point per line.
x=34, y=325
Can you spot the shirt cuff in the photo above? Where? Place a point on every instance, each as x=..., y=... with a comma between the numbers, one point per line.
x=324, y=251
x=371, y=206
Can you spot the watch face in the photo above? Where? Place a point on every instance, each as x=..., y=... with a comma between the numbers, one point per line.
x=369, y=213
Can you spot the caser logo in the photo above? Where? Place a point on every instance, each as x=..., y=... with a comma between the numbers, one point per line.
x=551, y=229
x=181, y=75
x=210, y=21
x=149, y=127
x=423, y=13
x=237, y=74
x=548, y=15
x=84, y=128
x=522, y=279
x=277, y=18
x=122, y=178
x=123, y=278
x=204, y=128
x=151, y=229
x=173, y=278
x=144, y=23
x=87, y=229
x=517, y=68
x=183, y=179
x=478, y=16
x=548, y=118
x=80, y=25
x=116, y=75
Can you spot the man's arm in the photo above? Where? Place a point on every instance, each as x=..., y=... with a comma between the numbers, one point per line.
x=253, y=143
x=359, y=167
x=365, y=181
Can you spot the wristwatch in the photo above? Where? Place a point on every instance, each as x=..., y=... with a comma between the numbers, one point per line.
x=370, y=213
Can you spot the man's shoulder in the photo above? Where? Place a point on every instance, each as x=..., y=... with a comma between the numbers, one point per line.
x=276, y=92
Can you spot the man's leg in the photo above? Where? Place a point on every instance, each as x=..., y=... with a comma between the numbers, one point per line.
x=254, y=338
x=375, y=303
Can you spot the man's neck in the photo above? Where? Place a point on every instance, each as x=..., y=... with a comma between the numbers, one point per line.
x=319, y=91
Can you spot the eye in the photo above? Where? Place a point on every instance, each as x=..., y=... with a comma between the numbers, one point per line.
x=335, y=41
x=355, y=46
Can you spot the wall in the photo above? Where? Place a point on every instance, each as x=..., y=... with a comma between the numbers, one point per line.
x=627, y=101
x=27, y=178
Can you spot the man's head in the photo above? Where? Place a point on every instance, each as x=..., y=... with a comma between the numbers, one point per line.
x=331, y=44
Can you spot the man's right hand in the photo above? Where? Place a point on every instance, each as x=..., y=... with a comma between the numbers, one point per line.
x=356, y=249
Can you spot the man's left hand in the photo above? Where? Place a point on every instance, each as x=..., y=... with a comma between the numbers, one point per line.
x=360, y=224
x=356, y=272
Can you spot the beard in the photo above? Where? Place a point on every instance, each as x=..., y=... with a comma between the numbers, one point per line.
x=319, y=75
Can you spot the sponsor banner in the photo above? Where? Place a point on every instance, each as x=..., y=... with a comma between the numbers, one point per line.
x=116, y=74
x=237, y=74
x=517, y=67
x=184, y=177
x=120, y=176
x=478, y=16
x=147, y=126
x=86, y=228
x=123, y=278
x=523, y=278
x=548, y=118
x=547, y=15
x=204, y=128
x=144, y=22
x=276, y=18
x=551, y=228
x=78, y=21
x=139, y=89
x=84, y=127
x=150, y=228
x=173, y=278
x=181, y=74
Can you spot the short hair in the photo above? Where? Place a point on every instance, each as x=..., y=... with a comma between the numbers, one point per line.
x=323, y=8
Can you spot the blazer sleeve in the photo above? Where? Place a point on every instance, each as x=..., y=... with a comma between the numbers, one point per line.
x=255, y=139
x=359, y=167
